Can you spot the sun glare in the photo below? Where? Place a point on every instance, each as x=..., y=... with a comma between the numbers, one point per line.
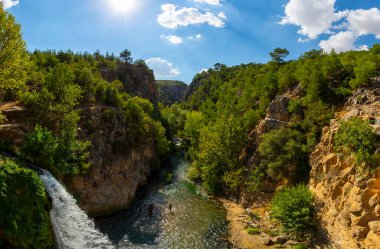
x=123, y=6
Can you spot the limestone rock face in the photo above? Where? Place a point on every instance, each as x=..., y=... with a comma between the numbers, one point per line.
x=277, y=116
x=118, y=167
x=15, y=128
x=347, y=200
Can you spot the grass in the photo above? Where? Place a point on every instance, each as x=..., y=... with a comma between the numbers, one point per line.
x=253, y=230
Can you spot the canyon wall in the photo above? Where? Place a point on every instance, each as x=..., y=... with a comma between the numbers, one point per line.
x=347, y=198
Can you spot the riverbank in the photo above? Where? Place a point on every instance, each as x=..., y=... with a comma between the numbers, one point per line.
x=237, y=218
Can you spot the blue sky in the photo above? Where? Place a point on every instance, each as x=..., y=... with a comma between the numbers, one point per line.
x=179, y=38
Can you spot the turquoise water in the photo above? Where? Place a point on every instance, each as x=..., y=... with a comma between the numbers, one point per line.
x=196, y=221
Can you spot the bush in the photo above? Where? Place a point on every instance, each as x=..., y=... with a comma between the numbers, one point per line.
x=299, y=246
x=24, y=216
x=253, y=230
x=357, y=136
x=293, y=207
x=3, y=119
x=169, y=177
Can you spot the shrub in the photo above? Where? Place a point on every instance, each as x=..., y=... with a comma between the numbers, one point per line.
x=356, y=136
x=299, y=246
x=24, y=216
x=169, y=177
x=293, y=207
x=3, y=119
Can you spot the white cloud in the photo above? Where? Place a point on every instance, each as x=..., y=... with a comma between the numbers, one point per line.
x=162, y=68
x=343, y=41
x=314, y=17
x=195, y=37
x=211, y=2
x=222, y=15
x=173, y=39
x=363, y=48
x=364, y=22
x=172, y=18
x=9, y=3
x=203, y=70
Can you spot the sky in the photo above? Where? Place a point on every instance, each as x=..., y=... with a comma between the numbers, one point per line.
x=180, y=38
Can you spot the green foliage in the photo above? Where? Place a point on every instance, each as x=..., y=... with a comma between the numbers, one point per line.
x=175, y=118
x=358, y=137
x=253, y=230
x=217, y=160
x=63, y=155
x=253, y=183
x=169, y=177
x=320, y=81
x=299, y=246
x=24, y=216
x=14, y=61
x=64, y=83
x=171, y=91
x=161, y=142
x=3, y=119
x=279, y=54
x=293, y=207
x=363, y=72
x=126, y=56
x=283, y=153
x=145, y=104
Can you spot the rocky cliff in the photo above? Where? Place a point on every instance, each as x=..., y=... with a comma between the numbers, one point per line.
x=137, y=79
x=347, y=199
x=118, y=167
x=171, y=91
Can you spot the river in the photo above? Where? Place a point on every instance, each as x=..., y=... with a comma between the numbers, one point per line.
x=196, y=221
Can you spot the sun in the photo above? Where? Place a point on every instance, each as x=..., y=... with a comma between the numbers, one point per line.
x=123, y=6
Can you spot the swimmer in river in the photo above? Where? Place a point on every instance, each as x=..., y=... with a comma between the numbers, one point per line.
x=150, y=210
x=170, y=208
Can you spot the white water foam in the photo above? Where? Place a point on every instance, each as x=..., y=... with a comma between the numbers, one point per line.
x=72, y=227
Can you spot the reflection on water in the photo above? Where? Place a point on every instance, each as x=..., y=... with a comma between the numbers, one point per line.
x=195, y=220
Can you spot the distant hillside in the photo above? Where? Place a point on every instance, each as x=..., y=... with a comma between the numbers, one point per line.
x=171, y=91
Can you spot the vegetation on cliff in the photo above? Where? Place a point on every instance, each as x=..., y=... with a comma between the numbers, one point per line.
x=234, y=150
x=171, y=91
x=357, y=136
x=24, y=216
x=317, y=83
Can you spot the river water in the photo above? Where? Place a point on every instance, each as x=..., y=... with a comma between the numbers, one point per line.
x=196, y=221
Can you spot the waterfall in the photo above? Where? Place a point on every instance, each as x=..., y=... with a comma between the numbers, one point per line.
x=72, y=227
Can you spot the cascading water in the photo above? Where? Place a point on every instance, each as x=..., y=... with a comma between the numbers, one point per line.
x=72, y=227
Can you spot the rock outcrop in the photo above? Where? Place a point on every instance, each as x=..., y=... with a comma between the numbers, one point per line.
x=13, y=131
x=137, y=79
x=118, y=166
x=347, y=199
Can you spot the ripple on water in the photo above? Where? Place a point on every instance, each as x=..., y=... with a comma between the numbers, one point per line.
x=196, y=221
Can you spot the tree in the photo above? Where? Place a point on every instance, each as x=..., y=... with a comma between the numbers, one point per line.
x=278, y=55
x=14, y=61
x=125, y=56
